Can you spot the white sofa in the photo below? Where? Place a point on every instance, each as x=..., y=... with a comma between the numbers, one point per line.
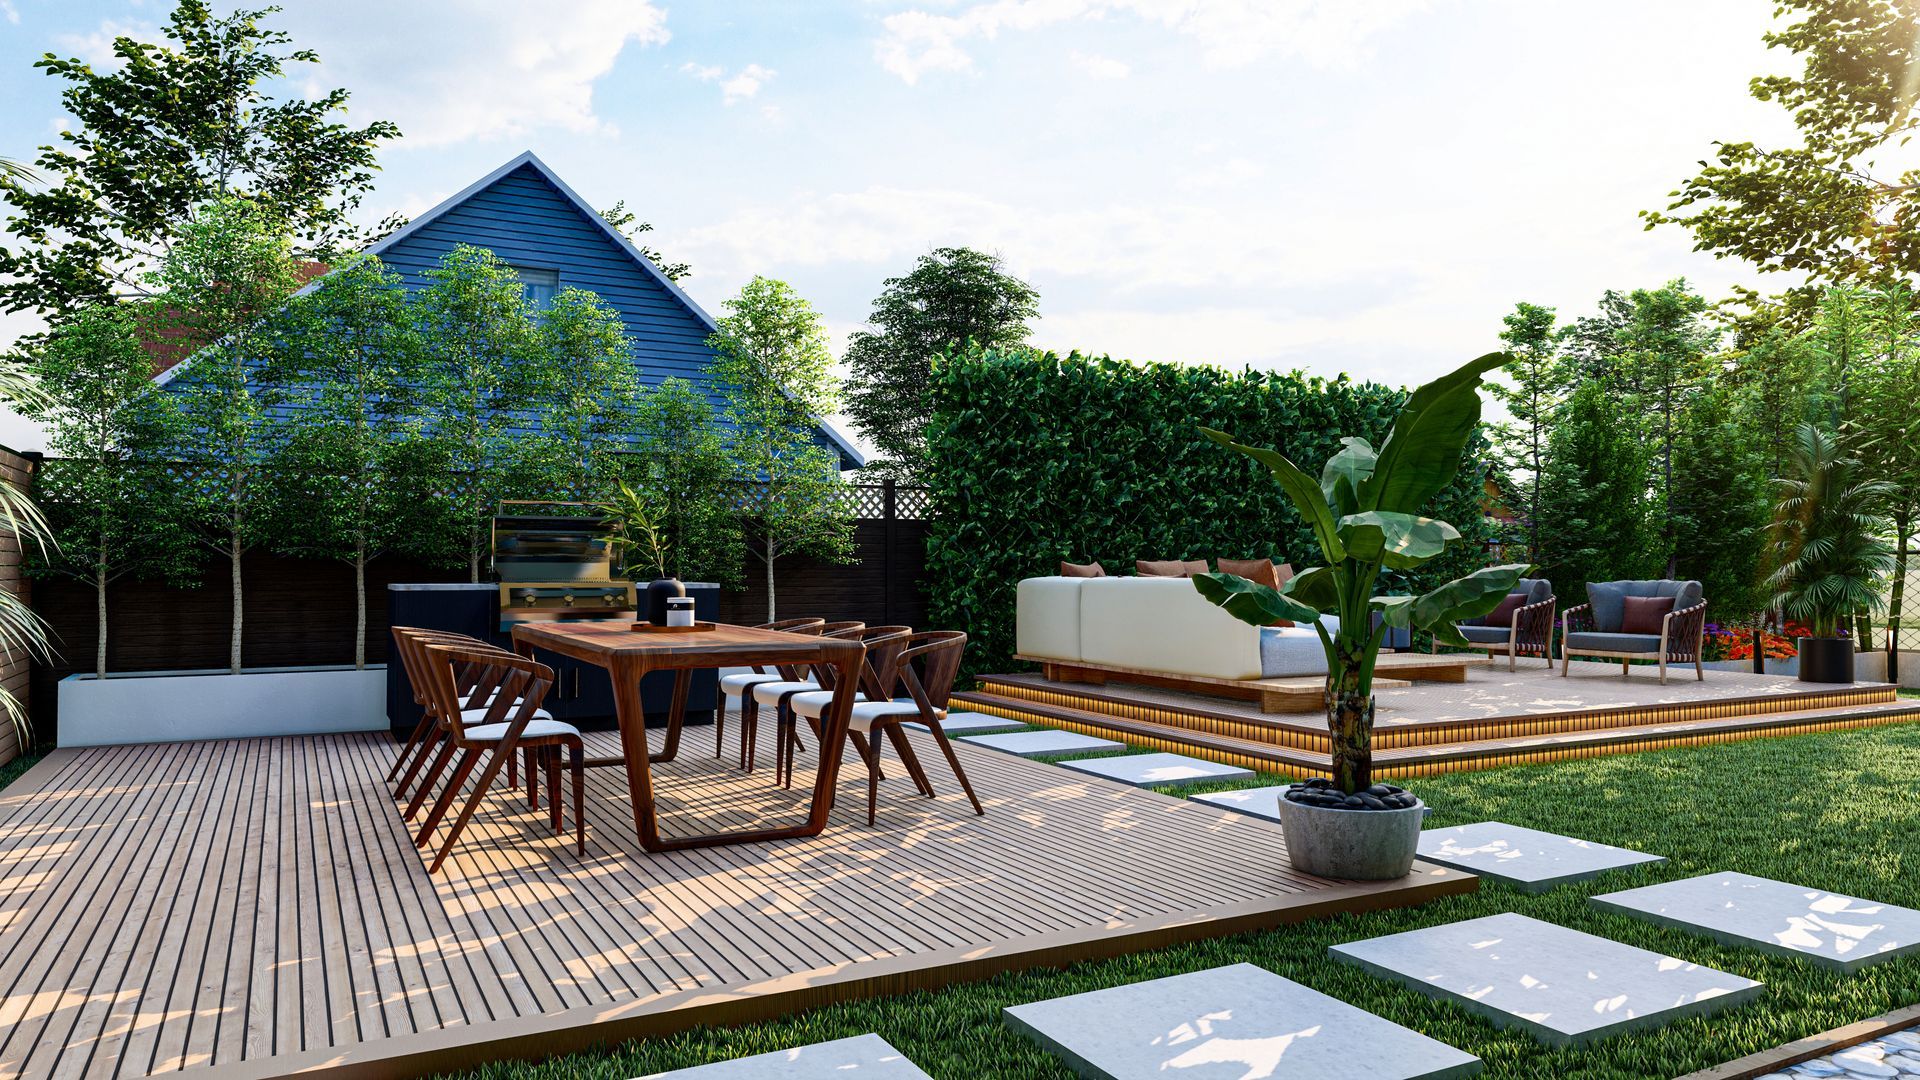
x=1156, y=624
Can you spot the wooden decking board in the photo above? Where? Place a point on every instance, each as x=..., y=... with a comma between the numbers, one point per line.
x=258, y=905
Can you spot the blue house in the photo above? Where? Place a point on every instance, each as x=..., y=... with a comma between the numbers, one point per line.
x=529, y=217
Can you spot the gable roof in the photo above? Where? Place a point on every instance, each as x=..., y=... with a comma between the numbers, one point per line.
x=848, y=452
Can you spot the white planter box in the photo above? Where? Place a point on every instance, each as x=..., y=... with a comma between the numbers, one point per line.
x=176, y=706
x=1867, y=667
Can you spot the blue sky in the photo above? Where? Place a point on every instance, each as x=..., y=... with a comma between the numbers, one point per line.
x=1323, y=184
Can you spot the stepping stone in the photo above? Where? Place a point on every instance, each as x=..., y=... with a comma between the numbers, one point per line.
x=1258, y=801
x=1261, y=801
x=1841, y=932
x=868, y=1057
x=970, y=723
x=1229, y=1023
x=1559, y=985
x=1533, y=861
x=1036, y=743
x=1147, y=770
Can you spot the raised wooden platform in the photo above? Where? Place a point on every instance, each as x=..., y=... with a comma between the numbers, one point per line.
x=1278, y=695
x=254, y=908
x=1495, y=717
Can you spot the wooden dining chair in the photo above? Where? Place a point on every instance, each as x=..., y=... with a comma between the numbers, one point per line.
x=423, y=741
x=512, y=686
x=735, y=685
x=796, y=678
x=925, y=666
x=883, y=646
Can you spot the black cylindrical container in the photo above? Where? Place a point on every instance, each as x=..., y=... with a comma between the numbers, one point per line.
x=659, y=590
x=1826, y=659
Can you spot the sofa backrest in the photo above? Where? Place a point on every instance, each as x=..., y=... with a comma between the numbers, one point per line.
x=1146, y=623
x=1609, y=598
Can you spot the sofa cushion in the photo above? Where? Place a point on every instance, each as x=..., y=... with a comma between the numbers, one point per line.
x=1486, y=635
x=1260, y=572
x=1046, y=618
x=1644, y=614
x=1600, y=642
x=1502, y=613
x=1169, y=567
x=1092, y=569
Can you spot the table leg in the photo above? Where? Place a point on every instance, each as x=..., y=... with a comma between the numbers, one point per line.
x=632, y=717
x=676, y=715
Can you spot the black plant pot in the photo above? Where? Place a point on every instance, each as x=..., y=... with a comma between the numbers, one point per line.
x=1826, y=659
x=659, y=590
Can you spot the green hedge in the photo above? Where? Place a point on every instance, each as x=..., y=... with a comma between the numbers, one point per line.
x=1034, y=459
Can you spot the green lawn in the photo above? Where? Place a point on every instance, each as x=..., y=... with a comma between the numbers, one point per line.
x=1837, y=811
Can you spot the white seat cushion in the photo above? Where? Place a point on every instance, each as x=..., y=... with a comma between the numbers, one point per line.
x=770, y=693
x=537, y=727
x=866, y=712
x=478, y=716
x=814, y=702
x=733, y=684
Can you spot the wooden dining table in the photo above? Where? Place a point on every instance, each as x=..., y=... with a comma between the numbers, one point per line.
x=628, y=655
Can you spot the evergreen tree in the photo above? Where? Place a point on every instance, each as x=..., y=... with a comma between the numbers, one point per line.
x=1595, y=493
x=1720, y=505
x=1663, y=356
x=953, y=298
x=1532, y=398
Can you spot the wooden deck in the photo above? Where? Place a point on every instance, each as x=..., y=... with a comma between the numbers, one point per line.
x=1494, y=717
x=254, y=908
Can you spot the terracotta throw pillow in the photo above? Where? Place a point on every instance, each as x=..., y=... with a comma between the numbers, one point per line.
x=1092, y=569
x=1502, y=613
x=1644, y=614
x=1260, y=572
x=1169, y=567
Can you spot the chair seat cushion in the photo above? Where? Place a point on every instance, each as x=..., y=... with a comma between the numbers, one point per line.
x=538, y=727
x=770, y=693
x=733, y=684
x=1486, y=635
x=814, y=702
x=479, y=716
x=1635, y=643
x=866, y=712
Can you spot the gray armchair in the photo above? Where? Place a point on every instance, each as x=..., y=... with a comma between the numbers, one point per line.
x=1595, y=628
x=1527, y=632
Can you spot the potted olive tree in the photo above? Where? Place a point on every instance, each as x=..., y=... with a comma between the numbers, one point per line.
x=1829, y=551
x=1365, y=515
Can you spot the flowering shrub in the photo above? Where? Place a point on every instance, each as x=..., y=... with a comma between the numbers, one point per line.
x=1735, y=642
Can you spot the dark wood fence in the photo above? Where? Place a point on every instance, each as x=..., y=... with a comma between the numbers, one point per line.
x=300, y=611
x=15, y=669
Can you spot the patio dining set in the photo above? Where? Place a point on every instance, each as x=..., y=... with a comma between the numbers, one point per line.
x=842, y=682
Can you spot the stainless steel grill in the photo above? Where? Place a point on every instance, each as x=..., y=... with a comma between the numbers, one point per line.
x=555, y=566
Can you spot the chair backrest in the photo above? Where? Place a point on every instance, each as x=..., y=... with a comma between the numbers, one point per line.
x=510, y=687
x=793, y=626
x=929, y=664
x=1538, y=590
x=407, y=642
x=1609, y=598
x=884, y=645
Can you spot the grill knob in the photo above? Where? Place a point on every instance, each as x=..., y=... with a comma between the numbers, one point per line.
x=567, y=599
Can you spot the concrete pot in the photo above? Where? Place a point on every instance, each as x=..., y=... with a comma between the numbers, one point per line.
x=176, y=706
x=1358, y=845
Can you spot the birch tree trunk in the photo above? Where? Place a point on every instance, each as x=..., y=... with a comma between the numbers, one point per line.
x=100, y=617
x=233, y=646
x=360, y=606
x=771, y=617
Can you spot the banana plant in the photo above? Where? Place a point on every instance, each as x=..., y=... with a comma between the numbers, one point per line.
x=1364, y=514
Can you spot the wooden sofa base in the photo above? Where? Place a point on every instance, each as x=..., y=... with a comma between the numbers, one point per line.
x=1299, y=695
x=1626, y=659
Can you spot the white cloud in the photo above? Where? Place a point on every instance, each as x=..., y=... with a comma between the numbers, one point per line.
x=703, y=72
x=745, y=84
x=492, y=70
x=96, y=47
x=1229, y=32
x=12, y=13
x=1099, y=67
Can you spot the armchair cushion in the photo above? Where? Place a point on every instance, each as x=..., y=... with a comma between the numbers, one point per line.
x=1644, y=614
x=1615, y=642
x=1486, y=635
x=1609, y=598
x=1538, y=590
x=1502, y=613
x=1260, y=572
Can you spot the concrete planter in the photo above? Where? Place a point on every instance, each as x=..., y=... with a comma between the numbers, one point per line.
x=176, y=706
x=1359, y=845
x=1867, y=667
